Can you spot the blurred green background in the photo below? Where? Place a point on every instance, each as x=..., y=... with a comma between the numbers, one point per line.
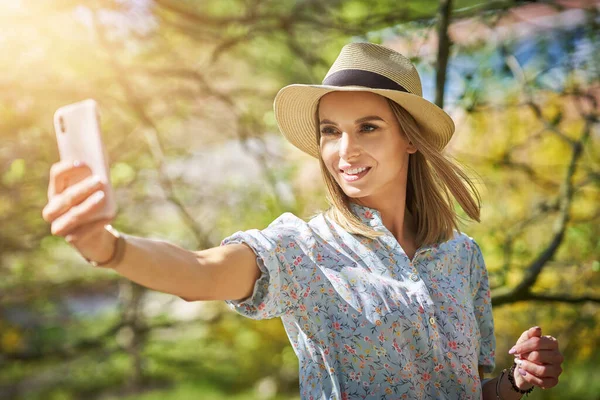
x=185, y=90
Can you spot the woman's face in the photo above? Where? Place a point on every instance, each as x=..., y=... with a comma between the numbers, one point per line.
x=362, y=144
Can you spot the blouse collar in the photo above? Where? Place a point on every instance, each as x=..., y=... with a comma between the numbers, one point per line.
x=372, y=217
x=367, y=215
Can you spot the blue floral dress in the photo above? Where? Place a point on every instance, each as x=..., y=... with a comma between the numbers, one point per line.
x=365, y=321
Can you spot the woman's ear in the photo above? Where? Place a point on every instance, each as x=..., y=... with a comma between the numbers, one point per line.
x=411, y=149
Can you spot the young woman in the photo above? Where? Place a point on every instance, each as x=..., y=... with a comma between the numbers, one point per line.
x=381, y=295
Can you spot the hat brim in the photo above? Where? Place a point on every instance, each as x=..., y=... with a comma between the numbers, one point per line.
x=295, y=112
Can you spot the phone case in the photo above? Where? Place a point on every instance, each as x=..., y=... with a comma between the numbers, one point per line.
x=78, y=134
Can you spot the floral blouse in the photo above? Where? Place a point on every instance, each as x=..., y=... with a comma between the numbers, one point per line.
x=365, y=321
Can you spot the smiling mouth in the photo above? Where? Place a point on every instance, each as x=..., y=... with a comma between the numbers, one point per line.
x=348, y=177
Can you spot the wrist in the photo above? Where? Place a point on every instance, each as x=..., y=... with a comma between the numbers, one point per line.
x=520, y=381
x=517, y=381
x=112, y=245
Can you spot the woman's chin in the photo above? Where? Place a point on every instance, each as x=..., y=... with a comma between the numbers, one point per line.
x=353, y=192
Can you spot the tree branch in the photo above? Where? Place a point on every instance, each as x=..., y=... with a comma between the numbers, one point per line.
x=564, y=298
x=523, y=289
x=153, y=139
x=444, y=13
x=511, y=298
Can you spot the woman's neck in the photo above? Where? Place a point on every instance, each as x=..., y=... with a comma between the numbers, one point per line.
x=398, y=220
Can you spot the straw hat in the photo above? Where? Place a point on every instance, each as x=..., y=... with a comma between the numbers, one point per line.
x=365, y=67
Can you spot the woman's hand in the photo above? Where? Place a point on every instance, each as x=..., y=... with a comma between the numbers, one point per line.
x=75, y=200
x=538, y=360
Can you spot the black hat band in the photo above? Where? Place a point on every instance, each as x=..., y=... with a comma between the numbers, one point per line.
x=357, y=77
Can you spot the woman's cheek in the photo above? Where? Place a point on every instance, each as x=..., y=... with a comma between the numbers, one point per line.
x=328, y=151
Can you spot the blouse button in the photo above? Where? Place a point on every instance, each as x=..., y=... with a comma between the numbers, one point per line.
x=414, y=277
x=432, y=321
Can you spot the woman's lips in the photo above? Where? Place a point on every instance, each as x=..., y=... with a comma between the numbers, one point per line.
x=354, y=178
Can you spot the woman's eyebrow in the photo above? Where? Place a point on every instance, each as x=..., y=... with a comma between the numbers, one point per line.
x=358, y=121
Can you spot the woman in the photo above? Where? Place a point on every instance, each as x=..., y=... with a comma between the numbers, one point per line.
x=381, y=295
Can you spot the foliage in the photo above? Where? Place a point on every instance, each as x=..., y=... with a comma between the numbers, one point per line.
x=186, y=91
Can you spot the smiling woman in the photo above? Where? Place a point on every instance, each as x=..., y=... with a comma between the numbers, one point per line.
x=397, y=166
x=381, y=295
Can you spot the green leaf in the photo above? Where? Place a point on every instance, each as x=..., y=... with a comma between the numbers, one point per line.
x=15, y=172
x=121, y=174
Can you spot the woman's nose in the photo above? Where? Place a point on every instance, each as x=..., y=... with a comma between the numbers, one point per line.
x=349, y=146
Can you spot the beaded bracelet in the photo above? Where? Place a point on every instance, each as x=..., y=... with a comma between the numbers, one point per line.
x=511, y=379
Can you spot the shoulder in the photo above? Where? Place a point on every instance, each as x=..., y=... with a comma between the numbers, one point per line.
x=289, y=227
x=460, y=242
x=473, y=257
x=462, y=239
x=288, y=221
x=286, y=227
x=464, y=247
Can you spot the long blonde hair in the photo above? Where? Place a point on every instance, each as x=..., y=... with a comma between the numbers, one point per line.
x=432, y=177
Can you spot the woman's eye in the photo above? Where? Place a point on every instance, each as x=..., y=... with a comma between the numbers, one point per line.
x=327, y=131
x=368, y=128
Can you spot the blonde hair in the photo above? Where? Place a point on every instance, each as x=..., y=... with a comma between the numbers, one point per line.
x=432, y=177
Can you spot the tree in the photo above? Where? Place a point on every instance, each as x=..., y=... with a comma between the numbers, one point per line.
x=179, y=82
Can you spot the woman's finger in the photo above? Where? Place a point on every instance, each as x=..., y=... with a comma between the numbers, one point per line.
x=64, y=172
x=79, y=215
x=544, y=383
x=535, y=331
x=535, y=344
x=544, y=357
x=540, y=371
x=70, y=197
x=86, y=232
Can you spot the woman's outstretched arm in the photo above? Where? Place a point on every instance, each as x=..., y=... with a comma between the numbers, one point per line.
x=220, y=273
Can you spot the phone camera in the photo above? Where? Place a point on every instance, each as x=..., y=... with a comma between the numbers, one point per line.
x=61, y=122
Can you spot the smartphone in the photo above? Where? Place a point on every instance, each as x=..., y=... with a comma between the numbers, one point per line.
x=78, y=134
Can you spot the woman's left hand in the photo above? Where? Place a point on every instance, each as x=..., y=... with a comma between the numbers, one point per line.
x=538, y=360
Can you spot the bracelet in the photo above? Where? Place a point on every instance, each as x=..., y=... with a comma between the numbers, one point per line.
x=498, y=385
x=118, y=252
x=511, y=379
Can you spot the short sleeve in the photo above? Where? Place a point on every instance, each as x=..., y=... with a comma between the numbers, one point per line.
x=285, y=268
x=482, y=304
